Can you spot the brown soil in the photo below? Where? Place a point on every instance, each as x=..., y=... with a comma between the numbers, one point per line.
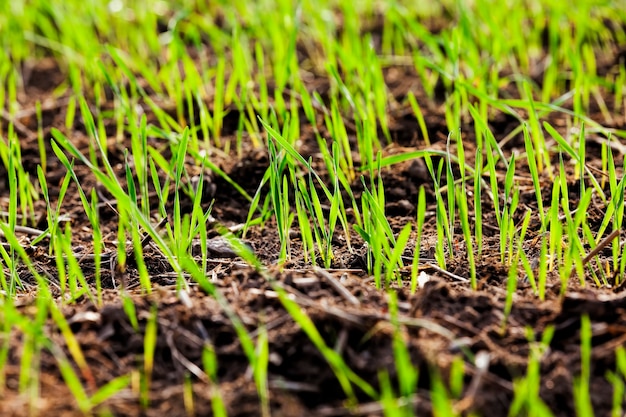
x=355, y=322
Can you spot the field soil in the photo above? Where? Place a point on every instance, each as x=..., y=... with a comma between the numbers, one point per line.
x=443, y=323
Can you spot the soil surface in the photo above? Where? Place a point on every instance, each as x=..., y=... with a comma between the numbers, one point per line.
x=444, y=323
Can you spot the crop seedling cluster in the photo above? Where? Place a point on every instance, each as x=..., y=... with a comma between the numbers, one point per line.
x=306, y=207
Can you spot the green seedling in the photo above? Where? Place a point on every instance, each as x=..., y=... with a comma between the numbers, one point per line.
x=582, y=396
x=140, y=107
x=526, y=399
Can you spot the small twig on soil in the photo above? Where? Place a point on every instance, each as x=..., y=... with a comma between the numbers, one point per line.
x=461, y=325
x=337, y=285
x=613, y=144
x=305, y=301
x=17, y=125
x=190, y=366
x=292, y=386
x=269, y=294
x=271, y=325
x=447, y=273
x=597, y=171
x=305, y=282
x=347, y=270
x=373, y=408
x=148, y=238
x=606, y=349
x=27, y=230
x=342, y=341
x=604, y=243
x=422, y=323
x=46, y=105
